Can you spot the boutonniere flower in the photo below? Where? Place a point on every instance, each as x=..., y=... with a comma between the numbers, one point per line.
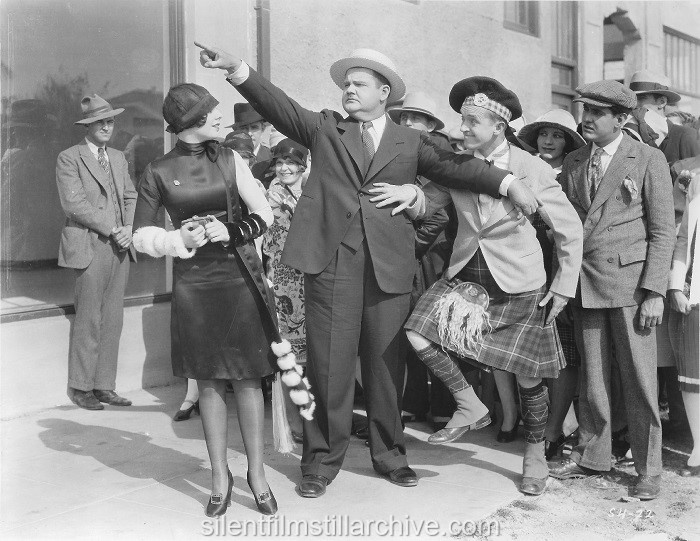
x=631, y=186
x=684, y=178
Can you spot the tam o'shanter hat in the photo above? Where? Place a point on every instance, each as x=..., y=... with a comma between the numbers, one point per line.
x=558, y=119
x=487, y=93
x=244, y=114
x=417, y=102
x=646, y=82
x=374, y=60
x=95, y=108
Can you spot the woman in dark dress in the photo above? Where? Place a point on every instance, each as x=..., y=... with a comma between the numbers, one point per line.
x=220, y=320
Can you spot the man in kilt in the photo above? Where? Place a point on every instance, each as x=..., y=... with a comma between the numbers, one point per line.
x=497, y=249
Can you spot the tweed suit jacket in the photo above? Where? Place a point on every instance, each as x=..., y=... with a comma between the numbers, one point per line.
x=82, y=188
x=337, y=187
x=509, y=244
x=628, y=228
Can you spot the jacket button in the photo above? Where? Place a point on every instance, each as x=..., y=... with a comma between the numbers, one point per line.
x=610, y=260
x=348, y=215
x=618, y=197
x=361, y=194
x=609, y=228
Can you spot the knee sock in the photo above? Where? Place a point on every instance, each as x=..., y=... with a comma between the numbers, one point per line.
x=533, y=403
x=443, y=367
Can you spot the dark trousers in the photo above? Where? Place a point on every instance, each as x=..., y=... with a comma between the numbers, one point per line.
x=99, y=313
x=347, y=313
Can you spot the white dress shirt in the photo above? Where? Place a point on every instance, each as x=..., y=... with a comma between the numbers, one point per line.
x=608, y=152
x=95, y=149
x=486, y=202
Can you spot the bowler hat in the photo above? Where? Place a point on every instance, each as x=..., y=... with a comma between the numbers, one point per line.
x=28, y=114
x=95, y=108
x=244, y=114
x=287, y=148
x=374, y=60
x=558, y=119
x=417, y=102
x=607, y=93
x=646, y=82
x=488, y=93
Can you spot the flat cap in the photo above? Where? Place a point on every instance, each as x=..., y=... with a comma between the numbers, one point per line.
x=606, y=94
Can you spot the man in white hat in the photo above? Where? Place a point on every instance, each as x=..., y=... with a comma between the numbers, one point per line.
x=99, y=199
x=653, y=93
x=358, y=258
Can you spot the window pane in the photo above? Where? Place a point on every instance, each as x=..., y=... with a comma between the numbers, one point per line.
x=54, y=53
x=562, y=75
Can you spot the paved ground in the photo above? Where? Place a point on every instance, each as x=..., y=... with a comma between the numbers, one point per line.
x=131, y=473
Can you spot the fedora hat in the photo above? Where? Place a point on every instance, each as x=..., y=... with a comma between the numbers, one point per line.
x=28, y=114
x=557, y=118
x=244, y=114
x=417, y=102
x=374, y=60
x=95, y=108
x=646, y=82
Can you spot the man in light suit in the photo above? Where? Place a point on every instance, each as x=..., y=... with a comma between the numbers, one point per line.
x=358, y=258
x=98, y=199
x=621, y=191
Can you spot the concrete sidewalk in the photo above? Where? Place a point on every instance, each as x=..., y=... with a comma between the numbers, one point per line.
x=131, y=473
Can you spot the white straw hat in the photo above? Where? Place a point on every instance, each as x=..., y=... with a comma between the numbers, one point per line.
x=374, y=60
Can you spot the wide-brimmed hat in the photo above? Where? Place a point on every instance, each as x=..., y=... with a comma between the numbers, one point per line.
x=374, y=60
x=558, y=119
x=417, y=102
x=646, y=82
x=28, y=114
x=185, y=104
x=244, y=114
x=95, y=108
x=288, y=148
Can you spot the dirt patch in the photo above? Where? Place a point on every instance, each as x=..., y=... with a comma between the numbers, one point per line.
x=599, y=508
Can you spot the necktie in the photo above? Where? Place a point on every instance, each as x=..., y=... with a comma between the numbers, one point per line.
x=102, y=158
x=595, y=171
x=368, y=143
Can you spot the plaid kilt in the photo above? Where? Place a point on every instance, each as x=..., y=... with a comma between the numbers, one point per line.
x=518, y=341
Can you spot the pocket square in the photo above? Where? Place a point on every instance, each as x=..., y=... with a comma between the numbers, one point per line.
x=631, y=186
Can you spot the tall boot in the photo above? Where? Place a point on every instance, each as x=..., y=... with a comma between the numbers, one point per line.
x=535, y=409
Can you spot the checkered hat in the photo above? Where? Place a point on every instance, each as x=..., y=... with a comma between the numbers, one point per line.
x=487, y=93
x=607, y=93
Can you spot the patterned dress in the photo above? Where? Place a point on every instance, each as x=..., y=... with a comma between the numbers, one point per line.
x=287, y=283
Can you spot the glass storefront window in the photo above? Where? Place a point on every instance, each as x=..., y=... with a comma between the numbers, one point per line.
x=54, y=53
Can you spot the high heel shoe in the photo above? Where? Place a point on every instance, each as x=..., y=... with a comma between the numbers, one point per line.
x=266, y=502
x=506, y=436
x=218, y=505
x=183, y=415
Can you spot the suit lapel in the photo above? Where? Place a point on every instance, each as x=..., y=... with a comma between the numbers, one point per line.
x=622, y=161
x=352, y=140
x=389, y=148
x=116, y=174
x=93, y=166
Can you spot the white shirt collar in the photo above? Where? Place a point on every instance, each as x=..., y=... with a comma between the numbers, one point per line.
x=499, y=148
x=94, y=148
x=611, y=147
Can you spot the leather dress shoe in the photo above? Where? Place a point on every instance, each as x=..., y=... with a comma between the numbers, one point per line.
x=568, y=469
x=690, y=471
x=85, y=400
x=312, y=486
x=533, y=486
x=362, y=433
x=506, y=436
x=403, y=477
x=111, y=398
x=447, y=435
x=647, y=487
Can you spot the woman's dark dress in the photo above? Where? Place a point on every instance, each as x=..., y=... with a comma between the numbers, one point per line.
x=216, y=326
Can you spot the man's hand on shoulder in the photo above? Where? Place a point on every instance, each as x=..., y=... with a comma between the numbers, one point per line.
x=213, y=57
x=523, y=198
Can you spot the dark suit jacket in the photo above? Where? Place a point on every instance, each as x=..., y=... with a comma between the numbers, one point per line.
x=680, y=143
x=337, y=188
x=82, y=188
x=628, y=228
